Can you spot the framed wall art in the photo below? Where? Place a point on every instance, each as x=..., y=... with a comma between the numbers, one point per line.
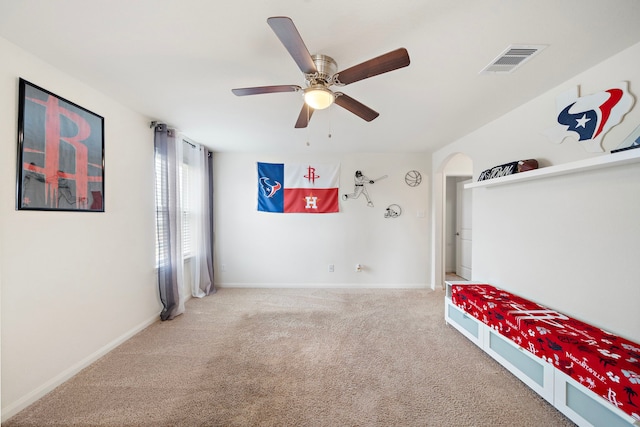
x=60, y=153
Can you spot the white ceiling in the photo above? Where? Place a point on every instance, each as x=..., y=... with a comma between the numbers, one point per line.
x=177, y=60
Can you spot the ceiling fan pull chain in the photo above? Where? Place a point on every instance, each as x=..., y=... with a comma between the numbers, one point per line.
x=308, y=131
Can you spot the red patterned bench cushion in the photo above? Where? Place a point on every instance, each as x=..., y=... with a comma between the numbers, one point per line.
x=605, y=363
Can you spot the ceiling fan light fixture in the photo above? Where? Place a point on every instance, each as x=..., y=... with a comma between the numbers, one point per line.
x=318, y=97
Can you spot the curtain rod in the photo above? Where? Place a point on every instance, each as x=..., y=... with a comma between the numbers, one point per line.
x=155, y=123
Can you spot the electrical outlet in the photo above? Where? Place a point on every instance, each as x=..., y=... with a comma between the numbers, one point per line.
x=330, y=268
x=223, y=267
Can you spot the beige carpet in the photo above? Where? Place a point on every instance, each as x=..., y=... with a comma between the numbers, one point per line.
x=283, y=357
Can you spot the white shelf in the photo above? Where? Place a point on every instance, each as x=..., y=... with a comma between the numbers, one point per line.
x=605, y=161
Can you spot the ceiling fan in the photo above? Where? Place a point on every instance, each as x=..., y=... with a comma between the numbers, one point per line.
x=320, y=73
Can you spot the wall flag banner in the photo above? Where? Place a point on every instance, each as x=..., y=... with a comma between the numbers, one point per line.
x=298, y=187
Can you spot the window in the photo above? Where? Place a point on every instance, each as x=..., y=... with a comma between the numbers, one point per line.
x=162, y=211
x=187, y=215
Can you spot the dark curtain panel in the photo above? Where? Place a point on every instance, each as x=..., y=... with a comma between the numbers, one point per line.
x=209, y=177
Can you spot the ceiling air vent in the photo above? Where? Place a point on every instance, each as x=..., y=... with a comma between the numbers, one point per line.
x=512, y=57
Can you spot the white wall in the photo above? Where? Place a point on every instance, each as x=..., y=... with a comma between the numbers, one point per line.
x=265, y=249
x=73, y=284
x=568, y=242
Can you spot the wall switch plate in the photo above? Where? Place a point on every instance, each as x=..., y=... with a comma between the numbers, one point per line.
x=330, y=268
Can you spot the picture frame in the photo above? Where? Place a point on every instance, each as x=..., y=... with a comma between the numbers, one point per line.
x=60, y=153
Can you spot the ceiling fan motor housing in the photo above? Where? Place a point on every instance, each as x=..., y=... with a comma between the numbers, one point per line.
x=326, y=67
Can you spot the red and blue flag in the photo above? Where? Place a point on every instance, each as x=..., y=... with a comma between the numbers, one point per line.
x=298, y=187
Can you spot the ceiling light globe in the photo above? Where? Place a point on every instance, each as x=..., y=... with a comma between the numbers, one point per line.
x=318, y=98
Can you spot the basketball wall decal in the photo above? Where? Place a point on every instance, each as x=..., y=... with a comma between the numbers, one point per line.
x=413, y=178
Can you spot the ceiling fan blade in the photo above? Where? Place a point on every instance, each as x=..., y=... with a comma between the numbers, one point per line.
x=265, y=89
x=390, y=61
x=356, y=107
x=290, y=38
x=304, y=117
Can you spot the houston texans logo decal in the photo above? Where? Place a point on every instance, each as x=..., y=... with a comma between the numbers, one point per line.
x=269, y=189
x=589, y=117
x=589, y=124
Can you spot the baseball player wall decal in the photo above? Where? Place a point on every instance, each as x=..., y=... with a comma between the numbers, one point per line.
x=361, y=182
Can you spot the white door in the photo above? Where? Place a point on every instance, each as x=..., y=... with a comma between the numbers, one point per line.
x=463, y=232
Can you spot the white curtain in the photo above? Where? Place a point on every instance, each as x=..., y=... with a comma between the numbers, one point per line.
x=168, y=161
x=197, y=158
x=183, y=219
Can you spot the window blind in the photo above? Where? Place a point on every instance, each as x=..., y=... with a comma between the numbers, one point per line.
x=186, y=210
x=162, y=212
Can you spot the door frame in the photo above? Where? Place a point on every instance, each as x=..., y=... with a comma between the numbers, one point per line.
x=461, y=232
x=456, y=164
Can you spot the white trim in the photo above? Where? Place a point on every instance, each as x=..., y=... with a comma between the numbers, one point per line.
x=31, y=397
x=325, y=285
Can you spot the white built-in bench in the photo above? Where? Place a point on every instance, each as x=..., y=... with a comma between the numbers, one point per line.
x=572, y=398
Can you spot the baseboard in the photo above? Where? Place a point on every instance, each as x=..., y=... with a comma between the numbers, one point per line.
x=13, y=408
x=324, y=285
